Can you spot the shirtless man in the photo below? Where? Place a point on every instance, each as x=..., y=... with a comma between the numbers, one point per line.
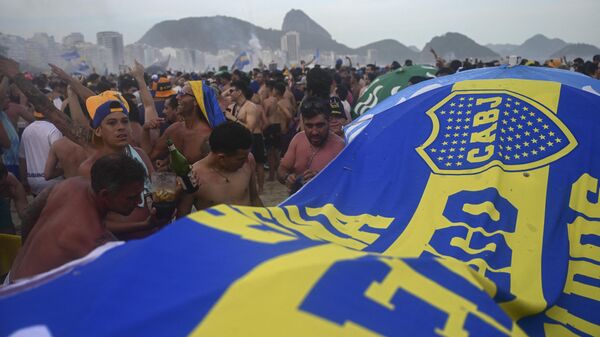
x=66, y=222
x=109, y=134
x=226, y=175
x=251, y=116
x=189, y=135
x=279, y=117
x=312, y=149
x=263, y=90
x=64, y=159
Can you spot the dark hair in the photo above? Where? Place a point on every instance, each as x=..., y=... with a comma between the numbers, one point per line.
x=57, y=84
x=318, y=82
x=417, y=79
x=342, y=91
x=113, y=171
x=279, y=87
x=40, y=81
x=444, y=71
x=226, y=76
x=408, y=62
x=455, y=65
x=103, y=86
x=229, y=137
x=590, y=68
x=313, y=106
x=243, y=86
x=172, y=101
x=134, y=112
x=126, y=82
x=371, y=76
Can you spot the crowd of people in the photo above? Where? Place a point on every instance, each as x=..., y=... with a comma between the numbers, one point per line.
x=78, y=173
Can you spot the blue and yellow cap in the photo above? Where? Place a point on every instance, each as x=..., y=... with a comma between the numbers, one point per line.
x=102, y=105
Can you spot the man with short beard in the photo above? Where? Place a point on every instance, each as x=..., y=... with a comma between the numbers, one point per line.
x=312, y=149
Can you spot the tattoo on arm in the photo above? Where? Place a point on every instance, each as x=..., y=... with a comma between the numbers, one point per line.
x=33, y=211
x=80, y=134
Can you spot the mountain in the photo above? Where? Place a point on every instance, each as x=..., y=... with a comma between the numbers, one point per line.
x=414, y=48
x=539, y=47
x=389, y=50
x=452, y=46
x=296, y=20
x=209, y=34
x=504, y=49
x=570, y=51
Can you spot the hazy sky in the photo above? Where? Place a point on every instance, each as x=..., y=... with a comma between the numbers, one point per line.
x=352, y=22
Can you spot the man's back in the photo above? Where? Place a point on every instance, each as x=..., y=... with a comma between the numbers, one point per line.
x=69, y=155
x=35, y=146
x=68, y=227
x=216, y=187
x=285, y=112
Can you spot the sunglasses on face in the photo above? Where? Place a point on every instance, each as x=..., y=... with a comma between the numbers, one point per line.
x=183, y=93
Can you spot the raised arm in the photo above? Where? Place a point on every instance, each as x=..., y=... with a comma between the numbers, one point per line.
x=24, y=109
x=80, y=134
x=75, y=107
x=81, y=90
x=150, y=112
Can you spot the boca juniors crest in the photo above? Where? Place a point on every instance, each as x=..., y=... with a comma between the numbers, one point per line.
x=475, y=130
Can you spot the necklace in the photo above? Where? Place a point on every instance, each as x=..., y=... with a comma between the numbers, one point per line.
x=238, y=107
x=221, y=174
x=312, y=156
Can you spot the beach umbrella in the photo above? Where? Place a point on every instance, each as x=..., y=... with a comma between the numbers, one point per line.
x=389, y=84
x=468, y=210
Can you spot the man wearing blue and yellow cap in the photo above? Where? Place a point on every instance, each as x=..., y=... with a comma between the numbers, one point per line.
x=111, y=134
x=108, y=133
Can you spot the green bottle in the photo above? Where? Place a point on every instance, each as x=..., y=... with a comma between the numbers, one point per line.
x=182, y=168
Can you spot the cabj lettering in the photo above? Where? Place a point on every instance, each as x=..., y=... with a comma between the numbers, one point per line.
x=489, y=117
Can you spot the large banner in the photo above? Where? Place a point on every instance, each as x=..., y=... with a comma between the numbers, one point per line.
x=469, y=210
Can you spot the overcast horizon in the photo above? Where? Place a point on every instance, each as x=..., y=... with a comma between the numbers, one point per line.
x=355, y=25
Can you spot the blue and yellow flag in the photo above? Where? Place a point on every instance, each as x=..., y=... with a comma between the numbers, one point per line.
x=469, y=210
x=207, y=101
x=241, y=61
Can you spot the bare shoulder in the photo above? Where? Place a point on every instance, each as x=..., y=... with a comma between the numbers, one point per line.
x=85, y=169
x=173, y=128
x=200, y=166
